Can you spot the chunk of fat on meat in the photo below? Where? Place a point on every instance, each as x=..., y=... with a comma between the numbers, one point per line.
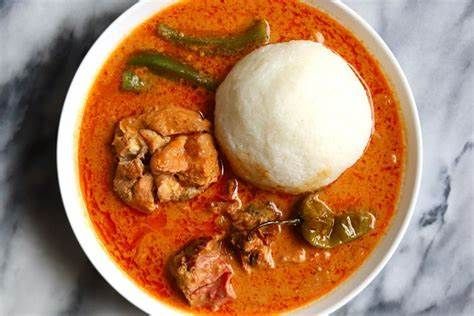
x=153, y=140
x=173, y=120
x=170, y=189
x=172, y=158
x=202, y=156
x=203, y=273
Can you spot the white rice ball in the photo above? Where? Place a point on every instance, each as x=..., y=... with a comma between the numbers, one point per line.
x=292, y=117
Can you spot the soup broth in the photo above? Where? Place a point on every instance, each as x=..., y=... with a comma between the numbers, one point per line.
x=142, y=244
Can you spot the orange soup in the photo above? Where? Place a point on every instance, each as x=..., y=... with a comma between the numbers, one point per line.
x=142, y=244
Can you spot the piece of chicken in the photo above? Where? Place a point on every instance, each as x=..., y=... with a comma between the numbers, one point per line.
x=164, y=155
x=173, y=120
x=170, y=189
x=203, y=273
x=253, y=246
x=153, y=140
x=202, y=159
x=134, y=186
x=127, y=142
x=172, y=158
x=185, y=167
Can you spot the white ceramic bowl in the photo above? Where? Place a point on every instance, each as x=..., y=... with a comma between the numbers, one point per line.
x=68, y=165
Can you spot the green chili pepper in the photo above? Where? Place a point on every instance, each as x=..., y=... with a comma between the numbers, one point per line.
x=131, y=81
x=317, y=222
x=256, y=35
x=322, y=229
x=169, y=67
x=351, y=226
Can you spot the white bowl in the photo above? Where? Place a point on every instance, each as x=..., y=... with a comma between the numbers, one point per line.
x=68, y=174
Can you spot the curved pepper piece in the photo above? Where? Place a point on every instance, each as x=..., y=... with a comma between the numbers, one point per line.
x=256, y=35
x=166, y=66
x=322, y=229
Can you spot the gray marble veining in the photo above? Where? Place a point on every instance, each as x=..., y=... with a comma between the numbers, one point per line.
x=43, y=271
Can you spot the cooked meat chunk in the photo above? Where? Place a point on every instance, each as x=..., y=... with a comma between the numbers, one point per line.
x=203, y=273
x=163, y=155
x=130, y=169
x=170, y=189
x=134, y=186
x=254, y=214
x=153, y=140
x=185, y=167
x=174, y=120
x=192, y=158
x=254, y=249
x=253, y=244
x=229, y=205
x=126, y=175
x=203, y=161
x=172, y=158
x=127, y=141
x=143, y=193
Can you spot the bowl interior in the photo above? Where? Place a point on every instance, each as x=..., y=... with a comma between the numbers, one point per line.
x=68, y=165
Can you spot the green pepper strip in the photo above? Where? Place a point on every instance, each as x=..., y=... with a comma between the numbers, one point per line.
x=169, y=67
x=256, y=35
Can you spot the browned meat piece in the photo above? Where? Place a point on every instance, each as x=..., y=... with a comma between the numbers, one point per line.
x=254, y=249
x=193, y=162
x=127, y=141
x=153, y=140
x=134, y=186
x=192, y=158
x=143, y=194
x=203, y=161
x=170, y=189
x=203, y=273
x=254, y=214
x=130, y=170
x=181, y=166
x=172, y=158
x=254, y=245
x=126, y=175
x=174, y=120
x=231, y=203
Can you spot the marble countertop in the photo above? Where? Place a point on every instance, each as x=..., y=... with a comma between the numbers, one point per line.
x=43, y=271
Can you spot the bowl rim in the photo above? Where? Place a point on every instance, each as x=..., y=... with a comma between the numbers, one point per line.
x=67, y=164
